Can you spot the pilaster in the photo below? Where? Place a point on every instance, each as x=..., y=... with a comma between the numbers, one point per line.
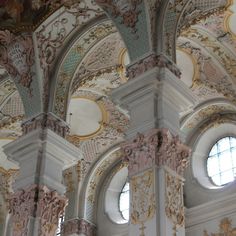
x=155, y=98
x=156, y=162
x=154, y=95
x=43, y=154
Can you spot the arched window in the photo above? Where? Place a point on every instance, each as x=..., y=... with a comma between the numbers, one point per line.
x=124, y=202
x=60, y=221
x=221, y=162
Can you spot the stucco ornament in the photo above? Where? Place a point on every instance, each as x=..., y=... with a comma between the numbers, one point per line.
x=6, y=179
x=225, y=228
x=159, y=147
x=46, y=121
x=143, y=205
x=127, y=10
x=22, y=206
x=78, y=226
x=17, y=57
x=174, y=205
x=36, y=201
x=150, y=62
x=50, y=206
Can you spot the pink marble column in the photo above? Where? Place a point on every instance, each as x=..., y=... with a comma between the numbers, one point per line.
x=156, y=163
x=78, y=227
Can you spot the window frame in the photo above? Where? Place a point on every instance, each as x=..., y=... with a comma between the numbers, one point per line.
x=121, y=192
x=208, y=156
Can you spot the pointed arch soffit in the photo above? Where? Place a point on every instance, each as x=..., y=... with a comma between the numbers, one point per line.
x=184, y=13
x=72, y=60
x=95, y=178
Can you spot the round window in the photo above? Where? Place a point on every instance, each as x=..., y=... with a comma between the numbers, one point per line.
x=221, y=162
x=124, y=202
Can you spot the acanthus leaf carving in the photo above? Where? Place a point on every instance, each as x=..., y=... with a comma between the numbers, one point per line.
x=158, y=147
x=50, y=206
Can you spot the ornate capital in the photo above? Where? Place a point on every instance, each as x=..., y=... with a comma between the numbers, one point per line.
x=150, y=62
x=46, y=121
x=78, y=226
x=22, y=206
x=50, y=206
x=36, y=201
x=158, y=147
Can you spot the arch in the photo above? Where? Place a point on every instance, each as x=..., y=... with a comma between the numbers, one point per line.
x=130, y=18
x=18, y=58
x=94, y=179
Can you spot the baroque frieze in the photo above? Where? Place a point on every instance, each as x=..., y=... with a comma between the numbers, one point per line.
x=174, y=204
x=150, y=62
x=143, y=203
x=46, y=121
x=225, y=229
x=17, y=57
x=157, y=147
x=78, y=226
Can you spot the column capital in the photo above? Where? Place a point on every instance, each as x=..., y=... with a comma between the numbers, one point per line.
x=37, y=201
x=156, y=147
x=46, y=121
x=78, y=227
x=150, y=61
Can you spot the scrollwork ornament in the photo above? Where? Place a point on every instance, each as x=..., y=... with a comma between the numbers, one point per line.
x=143, y=204
x=174, y=206
x=225, y=229
x=22, y=206
x=17, y=57
x=50, y=206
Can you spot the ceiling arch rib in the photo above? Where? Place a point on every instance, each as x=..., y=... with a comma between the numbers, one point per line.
x=130, y=18
x=72, y=60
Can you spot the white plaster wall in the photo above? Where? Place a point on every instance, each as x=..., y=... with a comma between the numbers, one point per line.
x=208, y=216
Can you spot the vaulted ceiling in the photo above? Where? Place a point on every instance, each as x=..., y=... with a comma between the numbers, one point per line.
x=84, y=46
